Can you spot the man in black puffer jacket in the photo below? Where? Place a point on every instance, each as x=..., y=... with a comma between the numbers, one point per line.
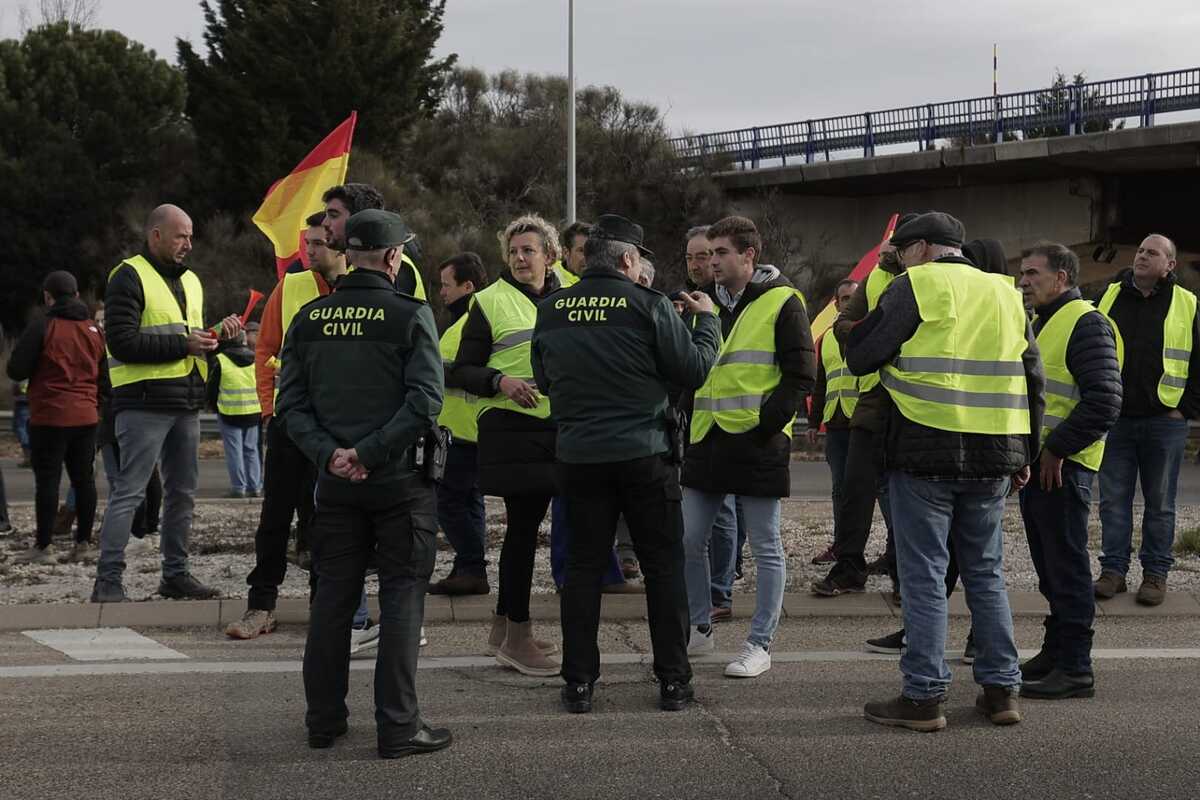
x=157, y=342
x=1083, y=402
x=741, y=432
x=961, y=365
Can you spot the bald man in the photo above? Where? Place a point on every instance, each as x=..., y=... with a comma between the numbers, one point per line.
x=1157, y=320
x=157, y=344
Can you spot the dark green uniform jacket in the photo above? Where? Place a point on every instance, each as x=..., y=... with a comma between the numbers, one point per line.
x=605, y=351
x=361, y=369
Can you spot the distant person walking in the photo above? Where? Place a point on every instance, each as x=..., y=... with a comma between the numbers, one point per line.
x=60, y=355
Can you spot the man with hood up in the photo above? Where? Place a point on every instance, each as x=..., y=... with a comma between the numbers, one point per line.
x=740, y=438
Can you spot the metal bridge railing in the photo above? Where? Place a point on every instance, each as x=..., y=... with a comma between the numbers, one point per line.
x=1054, y=111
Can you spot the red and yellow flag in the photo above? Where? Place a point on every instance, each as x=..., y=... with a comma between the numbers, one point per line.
x=824, y=321
x=292, y=199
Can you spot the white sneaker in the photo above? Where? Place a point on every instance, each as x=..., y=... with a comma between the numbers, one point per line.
x=701, y=643
x=750, y=663
x=364, y=638
x=147, y=545
x=424, y=641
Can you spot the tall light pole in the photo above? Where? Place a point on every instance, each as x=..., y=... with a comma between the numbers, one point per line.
x=570, y=111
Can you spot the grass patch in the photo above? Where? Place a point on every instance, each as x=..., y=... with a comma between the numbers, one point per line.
x=1188, y=543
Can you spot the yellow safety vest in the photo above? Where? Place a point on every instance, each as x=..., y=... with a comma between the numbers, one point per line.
x=162, y=316
x=841, y=386
x=1062, y=393
x=877, y=280
x=565, y=276
x=419, y=289
x=298, y=288
x=962, y=370
x=746, y=372
x=236, y=395
x=458, y=405
x=511, y=315
x=1177, y=340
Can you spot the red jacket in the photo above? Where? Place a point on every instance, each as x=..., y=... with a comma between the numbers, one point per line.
x=61, y=355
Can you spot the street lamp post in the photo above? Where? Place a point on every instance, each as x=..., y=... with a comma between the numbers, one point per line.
x=570, y=111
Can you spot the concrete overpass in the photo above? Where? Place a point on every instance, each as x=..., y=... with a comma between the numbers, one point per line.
x=1101, y=190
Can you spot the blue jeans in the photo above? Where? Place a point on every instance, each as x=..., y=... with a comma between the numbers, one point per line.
x=926, y=513
x=837, y=446
x=700, y=510
x=20, y=423
x=722, y=553
x=461, y=513
x=1149, y=448
x=241, y=457
x=145, y=437
x=560, y=535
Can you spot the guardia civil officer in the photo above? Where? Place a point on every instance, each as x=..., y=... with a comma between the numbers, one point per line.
x=361, y=384
x=605, y=351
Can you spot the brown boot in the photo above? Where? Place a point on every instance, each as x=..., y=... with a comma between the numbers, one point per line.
x=1153, y=590
x=520, y=652
x=496, y=638
x=1109, y=585
x=461, y=585
x=999, y=703
x=63, y=520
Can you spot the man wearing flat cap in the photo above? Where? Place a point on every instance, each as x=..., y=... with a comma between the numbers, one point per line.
x=957, y=356
x=605, y=351
x=361, y=385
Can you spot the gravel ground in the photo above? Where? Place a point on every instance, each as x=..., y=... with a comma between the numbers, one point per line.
x=223, y=553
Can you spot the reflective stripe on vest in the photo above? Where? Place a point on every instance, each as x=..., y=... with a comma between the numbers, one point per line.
x=162, y=316
x=877, y=280
x=565, y=276
x=511, y=315
x=841, y=386
x=962, y=370
x=746, y=371
x=1177, y=340
x=458, y=405
x=298, y=288
x=1062, y=393
x=236, y=395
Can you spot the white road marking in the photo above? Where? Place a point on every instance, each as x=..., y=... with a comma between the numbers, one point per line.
x=475, y=662
x=104, y=644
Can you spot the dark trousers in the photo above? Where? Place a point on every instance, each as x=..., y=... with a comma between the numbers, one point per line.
x=4, y=523
x=525, y=513
x=837, y=447
x=646, y=491
x=1056, y=524
x=394, y=527
x=287, y=488
x=460, y=509
x=52, y=447
x=855, y=512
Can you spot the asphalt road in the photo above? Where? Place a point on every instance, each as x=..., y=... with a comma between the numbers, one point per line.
x=810, y=481
x=230, y=726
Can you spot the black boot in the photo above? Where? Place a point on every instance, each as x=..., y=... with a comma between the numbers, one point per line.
x=1037, y=667
x=1059, y=685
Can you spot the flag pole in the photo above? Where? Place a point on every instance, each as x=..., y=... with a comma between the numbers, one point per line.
x=570, y=112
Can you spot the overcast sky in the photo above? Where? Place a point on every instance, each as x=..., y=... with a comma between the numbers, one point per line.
x=717, y=64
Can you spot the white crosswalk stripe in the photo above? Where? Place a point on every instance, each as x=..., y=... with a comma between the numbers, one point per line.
x=104, y=644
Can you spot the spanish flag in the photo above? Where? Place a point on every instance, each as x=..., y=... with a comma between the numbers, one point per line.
x=292, y=199
x=824, y=321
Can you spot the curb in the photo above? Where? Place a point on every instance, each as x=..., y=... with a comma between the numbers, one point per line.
x=479, y=608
